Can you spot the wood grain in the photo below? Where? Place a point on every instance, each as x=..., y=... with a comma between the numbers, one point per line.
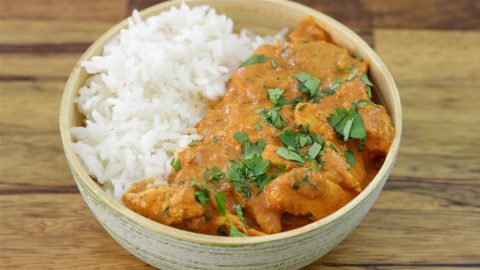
x=428, y=216
x=58, y=231
x=436, y=73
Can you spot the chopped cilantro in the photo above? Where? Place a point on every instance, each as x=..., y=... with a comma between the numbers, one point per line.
x=175, y=163
x=254, y=59
x=274, y=63
x=241, y=137
x=365, y=79
x=296, y=101
x=350, y=158
x=274, y=118
x=308, y=83
x=290, y=155
x=238, y=209
x=314, y=150
x=258, y=127
x=347, y=123
x=360, y=103
x=202, y=197
x=250, y=149
x=280, y=167
x=194, y=142
x=213, y=175
x=276, y=97
x=234, y=232
x=332, y=146
x=220, y=199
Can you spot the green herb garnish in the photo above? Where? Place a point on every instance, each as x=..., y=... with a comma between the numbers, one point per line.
x=213, y=175
x=220, y=199
x=238, y=209
x=202, y=197
x=194, y=142
x=308, y=83
x=258, y=127
x=234, y=232
x=348, y=123
x=274, y=63
x=241, y=137
x=274, y=118
x=276, y=97
x=175, y=163
x=254, y=59
x=350, y=158
x=295, y=184
x=314, y=150
x=290, y=155
x=365, y=79
x=332, y=146
x=369, y=84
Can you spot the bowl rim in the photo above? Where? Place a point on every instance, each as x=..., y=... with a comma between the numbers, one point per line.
x=95, y=190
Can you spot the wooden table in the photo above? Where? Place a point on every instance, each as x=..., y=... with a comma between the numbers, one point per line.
x=427, y=217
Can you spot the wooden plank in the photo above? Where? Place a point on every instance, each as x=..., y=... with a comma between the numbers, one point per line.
x=436, y=72
x=54, y=22
x=368, y=14
x=20, y=32
x=412, y=14
x=98, y=10
x=393, y=235
x=36, y=66
x=31, y=153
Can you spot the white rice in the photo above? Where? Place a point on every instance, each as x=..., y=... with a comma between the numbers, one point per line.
x=149, y=89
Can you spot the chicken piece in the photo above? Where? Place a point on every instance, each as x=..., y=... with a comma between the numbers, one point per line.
x=306, y=192
x=347, y=176
x=308, y=30
x=312, y=115
x=269, y=220
x=379, y=128
x=164, y=203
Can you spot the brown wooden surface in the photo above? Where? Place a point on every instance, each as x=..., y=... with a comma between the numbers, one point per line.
x=427, y=217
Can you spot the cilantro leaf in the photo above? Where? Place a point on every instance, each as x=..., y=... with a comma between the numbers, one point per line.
x=258, y=127
x=254, y=59
x=308, y=83
x=366, y=80
x=350, y=158
x=347, y=123
x=213, y=175
x=274, y=118
x=238, y=209
x=250, y=149
x=290, y=155
x=276, y=97
x=274, y=63
x=220, y=199
x=241, y=137
x=175, y=163
x=234, y=232
x=202, y=197
x=332, y=146
x=314, y=150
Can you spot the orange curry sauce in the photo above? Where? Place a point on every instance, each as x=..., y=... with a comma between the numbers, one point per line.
x=243, y=178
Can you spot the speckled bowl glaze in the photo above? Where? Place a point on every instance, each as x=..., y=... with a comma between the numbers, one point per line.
x=169, y=248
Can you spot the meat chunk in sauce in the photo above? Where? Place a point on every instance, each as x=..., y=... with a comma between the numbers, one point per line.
x=220, y=191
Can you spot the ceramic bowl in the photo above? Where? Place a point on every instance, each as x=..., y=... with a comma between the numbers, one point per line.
x=170, y=248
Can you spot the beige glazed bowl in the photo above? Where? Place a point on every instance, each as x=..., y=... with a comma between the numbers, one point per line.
x=169, y=248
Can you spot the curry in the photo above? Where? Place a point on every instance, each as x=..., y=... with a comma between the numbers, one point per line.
x=295, y=138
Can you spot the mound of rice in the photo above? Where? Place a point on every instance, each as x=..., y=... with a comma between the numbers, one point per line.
x=149, y=89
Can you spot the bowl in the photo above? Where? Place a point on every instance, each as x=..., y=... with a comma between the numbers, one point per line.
x=170, y=248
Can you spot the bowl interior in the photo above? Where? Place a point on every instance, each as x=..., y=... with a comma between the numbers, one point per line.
x=262, y=17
